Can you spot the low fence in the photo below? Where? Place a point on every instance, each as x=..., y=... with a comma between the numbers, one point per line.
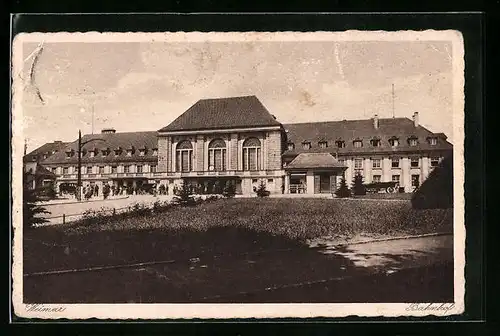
x=67, y=218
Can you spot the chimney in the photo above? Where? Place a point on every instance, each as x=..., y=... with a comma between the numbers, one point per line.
x=415, y=119
x=108, y=131
x=375, y=121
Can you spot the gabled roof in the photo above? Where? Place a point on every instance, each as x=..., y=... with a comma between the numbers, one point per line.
x=222, y=113
x=40, y=171
x=110, y=141
x=314, y=160
x=48, y=148
x=350, y=130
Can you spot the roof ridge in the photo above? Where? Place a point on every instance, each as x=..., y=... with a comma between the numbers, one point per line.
x=232, y=97
x=339, y=121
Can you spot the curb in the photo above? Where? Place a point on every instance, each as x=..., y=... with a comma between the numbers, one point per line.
x=376, y=240
x=83, y=202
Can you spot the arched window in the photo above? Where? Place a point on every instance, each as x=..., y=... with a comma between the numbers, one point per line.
x=251, y=154
x=184, y=156
x=217, y=155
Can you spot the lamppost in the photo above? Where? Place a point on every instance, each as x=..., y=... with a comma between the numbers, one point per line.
x=79, y=171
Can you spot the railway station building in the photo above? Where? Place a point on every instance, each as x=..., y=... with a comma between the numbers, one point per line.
x=237, y=140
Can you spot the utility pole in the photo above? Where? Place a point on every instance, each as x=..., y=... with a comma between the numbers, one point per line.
x=79, y=171
x=393, y=109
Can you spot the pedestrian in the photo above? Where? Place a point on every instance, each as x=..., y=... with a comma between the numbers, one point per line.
x=96, y=190
x=282, y=188
x=166, y=189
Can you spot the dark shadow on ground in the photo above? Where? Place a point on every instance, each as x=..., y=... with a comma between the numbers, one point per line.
x=224, y=264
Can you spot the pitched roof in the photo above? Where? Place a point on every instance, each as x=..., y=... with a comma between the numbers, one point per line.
x=40, y=171
x=314, y=160
x=350, y=130
x=49, y=149
x=111, y=141
x=217, y=113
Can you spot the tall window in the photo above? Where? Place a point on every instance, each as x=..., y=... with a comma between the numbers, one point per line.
x=114, y=169
x=126, y=169
x=395, y=163
x=89, y=170
x=152, y=168
x=434, y=161
x=139, y=168
x=217, y=155
x=414, y=162
x=394, y=142
x=66, y=170
x=376, y=163
x=395, y=178
x=251, y=154
x=101, y=169
x=184, y=156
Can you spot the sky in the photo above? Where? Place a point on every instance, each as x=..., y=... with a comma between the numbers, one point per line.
x=137, y=86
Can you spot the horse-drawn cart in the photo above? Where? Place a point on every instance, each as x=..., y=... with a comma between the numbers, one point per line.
x=388, y=187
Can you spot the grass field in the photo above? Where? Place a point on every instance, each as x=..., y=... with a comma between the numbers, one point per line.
x=222, y=227
x=395, y=196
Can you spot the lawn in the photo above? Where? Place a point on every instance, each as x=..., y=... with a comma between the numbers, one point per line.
x=390, y=196
x=225, y=246
x=223, y=226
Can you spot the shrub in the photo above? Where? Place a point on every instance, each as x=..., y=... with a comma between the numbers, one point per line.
x=229, y=190
x=358, y=186
x=139, y=209
x=261, y=190
x=91, y=217
x=184, y=195
x=343, y=191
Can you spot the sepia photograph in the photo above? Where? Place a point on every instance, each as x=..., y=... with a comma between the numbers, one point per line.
x=238, y=175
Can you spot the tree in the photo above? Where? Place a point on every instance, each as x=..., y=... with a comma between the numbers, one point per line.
x=358, y=185
x=32, y=212
x=184, y=195
x=261, y=190
x=343, y=190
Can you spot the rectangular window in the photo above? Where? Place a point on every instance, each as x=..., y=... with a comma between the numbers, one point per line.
x=413, y=142
x=291, y=146
x=139, y=168
x=54, y=170
x=306, y=145
x=270, y=180
x=323, y=144
x=414, y=162
x=254, y=180
x=358, y=163
x=395, y=163
x=376, y=163
x=184, y=160
x=153, y=168
x=395, y=178
x=89, y=170
x=251, y=158
x=434, y=162
x=101, y=169
x=66, y=170
x=433, y=141
x=415, y=180
x=126, y=169
x=376, y=178
x=341, y=161
x=358, y=144
x=114, y=169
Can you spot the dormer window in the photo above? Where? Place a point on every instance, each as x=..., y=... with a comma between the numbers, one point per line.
x=434, y=161
x=357, y=143
x=69, y=153
x=306, y=145
x=323, y=144
x=45, y=156
x=91, y=154
x=413, y=141
x=432, y=141
x=291, y=146
x=340, y=143
x=130, y=151
x=118, y=151
x=142, y=151
x=394, y=142
x=105, y=152
x=155, y=151
x=375, y=142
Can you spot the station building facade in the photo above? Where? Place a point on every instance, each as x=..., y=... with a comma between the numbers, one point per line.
x=237, y=140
